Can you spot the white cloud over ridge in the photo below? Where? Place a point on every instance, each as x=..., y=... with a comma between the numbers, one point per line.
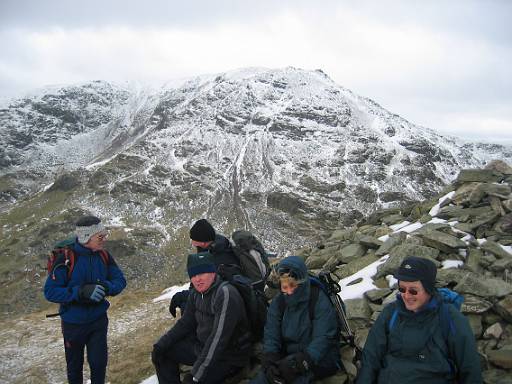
x=440, y=65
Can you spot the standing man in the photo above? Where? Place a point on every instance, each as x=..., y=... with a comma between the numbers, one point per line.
x=212, y=335
x=79, y=280
x=205, y=239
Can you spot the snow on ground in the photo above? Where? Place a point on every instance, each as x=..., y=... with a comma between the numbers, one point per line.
x=451, y=264
x=169, y=292
x=355, y=291
x=435, y=209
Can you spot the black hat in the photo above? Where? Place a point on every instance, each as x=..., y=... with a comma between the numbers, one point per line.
x=418, y=269
x=198, y=263
x=202, y=230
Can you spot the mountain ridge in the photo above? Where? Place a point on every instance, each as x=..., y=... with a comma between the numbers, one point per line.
x=285, y=153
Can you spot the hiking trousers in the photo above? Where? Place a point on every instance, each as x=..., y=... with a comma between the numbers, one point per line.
x=167, y=364
x=92, y=335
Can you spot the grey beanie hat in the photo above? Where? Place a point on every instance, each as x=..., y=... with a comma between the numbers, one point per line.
x=88, y=226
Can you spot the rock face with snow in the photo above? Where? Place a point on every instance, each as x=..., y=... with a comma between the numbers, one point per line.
x=465, y=232
x=285, y=153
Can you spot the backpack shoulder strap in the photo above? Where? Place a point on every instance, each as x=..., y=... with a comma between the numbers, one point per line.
x=105, y=257
x=393, y=319
x=62, y=257
x=313, y=298
x=447, y=322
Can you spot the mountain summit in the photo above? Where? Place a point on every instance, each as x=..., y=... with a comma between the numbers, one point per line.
x=284, y=153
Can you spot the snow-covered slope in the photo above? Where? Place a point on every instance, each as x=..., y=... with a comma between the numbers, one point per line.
x=286, y=153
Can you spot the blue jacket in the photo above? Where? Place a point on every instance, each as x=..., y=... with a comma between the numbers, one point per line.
x=294, y=331
x=415, y=351
x=89, y=268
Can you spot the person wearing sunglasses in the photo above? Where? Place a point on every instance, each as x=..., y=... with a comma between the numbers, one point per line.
x=408, y=344
x=81, y=290
x=298, y=348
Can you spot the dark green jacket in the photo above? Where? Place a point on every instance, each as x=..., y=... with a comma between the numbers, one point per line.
x=415, y=351
x=294, y=331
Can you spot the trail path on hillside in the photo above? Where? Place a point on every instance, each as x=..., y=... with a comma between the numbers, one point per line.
x=31, y=347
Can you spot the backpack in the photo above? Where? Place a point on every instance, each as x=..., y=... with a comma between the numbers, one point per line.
x=252, y=256
x=325, y=283
x=63, y=255
x=255, y=303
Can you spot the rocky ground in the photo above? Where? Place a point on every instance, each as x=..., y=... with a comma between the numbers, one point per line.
x=470, y=227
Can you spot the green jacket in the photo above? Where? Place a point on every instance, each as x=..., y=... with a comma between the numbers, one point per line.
x=293, y=331
x=415, y=351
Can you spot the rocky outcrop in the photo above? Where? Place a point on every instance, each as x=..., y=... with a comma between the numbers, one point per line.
x=466, y=232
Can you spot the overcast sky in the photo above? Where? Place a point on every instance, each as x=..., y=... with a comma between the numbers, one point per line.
x=438, y=63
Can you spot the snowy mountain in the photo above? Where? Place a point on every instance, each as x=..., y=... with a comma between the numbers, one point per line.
x=286, y=153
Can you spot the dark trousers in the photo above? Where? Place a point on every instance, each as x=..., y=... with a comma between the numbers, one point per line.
x=93, y=336
x=167, y=364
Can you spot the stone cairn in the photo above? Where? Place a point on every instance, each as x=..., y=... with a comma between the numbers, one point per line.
x=468, y=227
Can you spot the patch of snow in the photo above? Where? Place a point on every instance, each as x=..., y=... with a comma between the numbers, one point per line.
x=392, y=282
x=507, y=248
x=356, y=291
x=168, y=293
x=446, y=264
x=435, y=209
x=436, y=220
x=396, y=227
x=150, y=380
x=383, y=238
x=411, y=228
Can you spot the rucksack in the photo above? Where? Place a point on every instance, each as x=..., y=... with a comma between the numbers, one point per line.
x=63, y=255
x=255, y=303
x=252, y=256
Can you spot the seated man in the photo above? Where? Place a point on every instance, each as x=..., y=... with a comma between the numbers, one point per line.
x=205, y=239
x=420, y=338
x=212, y=335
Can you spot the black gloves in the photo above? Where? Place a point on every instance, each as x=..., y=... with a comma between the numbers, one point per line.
x=294, y=365
x=270, y=368
x=157, y=354
x=179, y=300
x=91, y=293
x=188, y=379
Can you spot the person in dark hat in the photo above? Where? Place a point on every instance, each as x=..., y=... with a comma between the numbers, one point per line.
x=213, y=333
x=204, y=237
x=421, y=337
x=82, y=276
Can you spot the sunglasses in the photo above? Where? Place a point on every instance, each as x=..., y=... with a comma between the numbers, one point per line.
x=412, y=291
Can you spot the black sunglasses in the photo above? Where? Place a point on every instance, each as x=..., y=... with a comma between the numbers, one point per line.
x=412, y=291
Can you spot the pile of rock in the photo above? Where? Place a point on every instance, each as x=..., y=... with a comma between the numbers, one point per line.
x=467, y=232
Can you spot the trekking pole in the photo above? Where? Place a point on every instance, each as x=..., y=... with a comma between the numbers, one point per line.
x=334, y=289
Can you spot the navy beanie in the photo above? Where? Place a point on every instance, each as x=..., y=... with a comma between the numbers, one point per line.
x=202, y=230
x=418, y=269
x=198, y=263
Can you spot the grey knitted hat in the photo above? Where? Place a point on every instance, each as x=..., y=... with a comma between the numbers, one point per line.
x=88, y=226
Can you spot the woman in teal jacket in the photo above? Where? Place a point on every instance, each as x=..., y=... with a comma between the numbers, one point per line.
x=419, y=338
x=298, y=348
